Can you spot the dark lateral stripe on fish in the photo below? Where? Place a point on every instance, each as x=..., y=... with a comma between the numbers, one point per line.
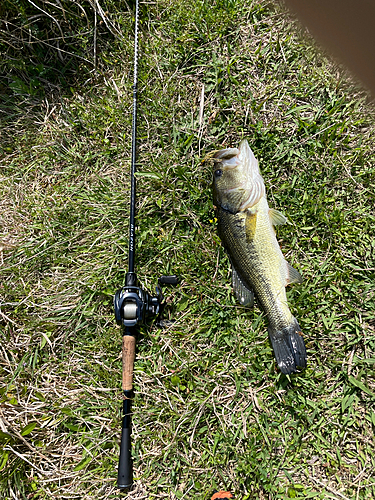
x=246, y=228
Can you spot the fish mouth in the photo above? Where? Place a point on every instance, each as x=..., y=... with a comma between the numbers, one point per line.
x=233, y=157
x=243, y=159
x=228, y=157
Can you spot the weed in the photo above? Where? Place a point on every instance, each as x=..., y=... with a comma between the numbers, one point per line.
x=211, y=411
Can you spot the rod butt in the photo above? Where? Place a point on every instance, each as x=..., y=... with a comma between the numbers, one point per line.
x=125, y=466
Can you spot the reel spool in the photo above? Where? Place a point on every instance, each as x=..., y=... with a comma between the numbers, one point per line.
x=133, y=305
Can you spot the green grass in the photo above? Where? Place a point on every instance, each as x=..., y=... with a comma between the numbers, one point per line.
x=211, y=410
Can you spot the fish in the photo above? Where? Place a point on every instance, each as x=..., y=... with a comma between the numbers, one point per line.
x=259, y=269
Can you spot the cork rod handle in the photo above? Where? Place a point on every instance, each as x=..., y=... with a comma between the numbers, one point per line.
x=128, y=354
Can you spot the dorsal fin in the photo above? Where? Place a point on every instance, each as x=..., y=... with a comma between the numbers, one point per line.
x=243, y=294
x=277, y=218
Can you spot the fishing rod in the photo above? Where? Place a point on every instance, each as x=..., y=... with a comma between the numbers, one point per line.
x=133, y=305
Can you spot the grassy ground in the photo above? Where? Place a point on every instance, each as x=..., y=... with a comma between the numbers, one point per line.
x=211, y=410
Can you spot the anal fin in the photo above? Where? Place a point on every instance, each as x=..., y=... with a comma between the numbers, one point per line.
x=293, y=275
x=243, y=294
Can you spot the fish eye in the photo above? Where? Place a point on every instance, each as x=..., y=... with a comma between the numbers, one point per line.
x=218, y=172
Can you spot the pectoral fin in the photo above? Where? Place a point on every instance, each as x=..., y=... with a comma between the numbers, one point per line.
x=250, y=226
x=243, y=294
x=277, y=218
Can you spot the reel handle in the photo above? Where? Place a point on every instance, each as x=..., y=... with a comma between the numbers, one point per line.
x=168, y=280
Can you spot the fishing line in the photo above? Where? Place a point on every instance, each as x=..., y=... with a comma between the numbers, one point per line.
x=134, y=147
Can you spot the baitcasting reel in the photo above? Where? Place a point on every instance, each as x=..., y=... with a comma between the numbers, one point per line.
x=134, y=305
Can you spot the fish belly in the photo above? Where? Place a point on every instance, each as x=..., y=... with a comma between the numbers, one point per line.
x=256, y=256
x=258, y=261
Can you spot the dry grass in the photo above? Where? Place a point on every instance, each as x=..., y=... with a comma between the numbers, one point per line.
x=211, y=410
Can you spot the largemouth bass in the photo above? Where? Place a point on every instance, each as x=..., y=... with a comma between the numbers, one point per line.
x=245, y=225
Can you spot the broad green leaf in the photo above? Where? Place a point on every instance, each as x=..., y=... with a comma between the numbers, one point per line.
x=28, y=428
x=82, y=464
x=3, y=460
x=361, y=386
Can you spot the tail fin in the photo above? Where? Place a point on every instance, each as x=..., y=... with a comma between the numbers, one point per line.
x=289, y=347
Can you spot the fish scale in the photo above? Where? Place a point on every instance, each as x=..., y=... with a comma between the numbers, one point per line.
x=245, y=226
x=254, y=265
